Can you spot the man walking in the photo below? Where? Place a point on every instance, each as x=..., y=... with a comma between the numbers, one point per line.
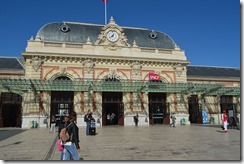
x=88, y=117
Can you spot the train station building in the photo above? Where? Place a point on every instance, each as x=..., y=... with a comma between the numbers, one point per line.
x=73, y=66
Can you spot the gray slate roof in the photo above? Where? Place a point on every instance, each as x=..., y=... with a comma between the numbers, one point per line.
x=79, y=32
x=11, y=63
x=217, y=72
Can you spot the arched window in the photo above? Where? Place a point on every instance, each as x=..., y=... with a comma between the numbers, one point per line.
x=62, y=78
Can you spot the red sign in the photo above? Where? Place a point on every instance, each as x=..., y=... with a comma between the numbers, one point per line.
x=153, y=76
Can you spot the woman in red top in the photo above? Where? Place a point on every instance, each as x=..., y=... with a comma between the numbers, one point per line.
x=225, y=121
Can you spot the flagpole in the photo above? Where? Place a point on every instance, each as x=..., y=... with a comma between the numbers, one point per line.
x=105, y=12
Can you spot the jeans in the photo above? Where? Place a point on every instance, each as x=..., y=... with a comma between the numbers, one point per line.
x=61, y=155
x=88, y=125
x=70, y=150
x=52, y=128
x=225, y=126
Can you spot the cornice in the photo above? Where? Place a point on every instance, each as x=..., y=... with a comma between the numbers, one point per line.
x=205, y=78
x=105, y=60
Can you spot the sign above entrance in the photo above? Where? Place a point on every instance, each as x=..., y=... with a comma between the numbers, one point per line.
x=153, y=76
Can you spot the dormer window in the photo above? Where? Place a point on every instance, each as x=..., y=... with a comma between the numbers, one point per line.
x=64, y=28
x=153, y=35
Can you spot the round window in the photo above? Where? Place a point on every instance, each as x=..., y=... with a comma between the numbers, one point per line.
x=153, y=35
x=64, y=28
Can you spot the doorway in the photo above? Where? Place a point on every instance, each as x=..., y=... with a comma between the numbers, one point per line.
x=61, y=105
x=158, y=113
x=195, y=114
x=11, y=110
x=226, y=103
x=113, y=106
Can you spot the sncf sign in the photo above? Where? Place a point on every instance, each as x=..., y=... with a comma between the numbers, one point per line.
x=153, y=76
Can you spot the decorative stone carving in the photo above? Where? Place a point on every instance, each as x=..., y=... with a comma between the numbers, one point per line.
x=112, y=73
x=36, y=62
x=123, y=40
x=63, y=70
x=136, y=67
x=178, y=69
x=89, y=65
x=112, y=27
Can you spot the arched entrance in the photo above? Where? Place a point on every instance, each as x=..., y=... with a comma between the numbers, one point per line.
x=61, y=103
x=226, y=103
x=11, y=110
x=158, y=113
x=112, y=104
x=195, y=115
x=158, y=108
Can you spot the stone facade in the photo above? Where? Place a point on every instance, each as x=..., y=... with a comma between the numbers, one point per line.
x=104, y=59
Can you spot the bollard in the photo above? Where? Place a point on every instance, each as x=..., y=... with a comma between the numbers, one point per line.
x=212, y=120
x=31, y=124
x=35, y=124
x=183, y=121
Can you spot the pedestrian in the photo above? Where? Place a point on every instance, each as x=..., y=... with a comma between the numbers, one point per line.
x=173, y=119
x=239, y=121
x=225, y=121
x=112, y=118
x=136, y=119
x=88, y=121
x=71, y=146
x=108, y=119
x=53, y=124
x=61, y=126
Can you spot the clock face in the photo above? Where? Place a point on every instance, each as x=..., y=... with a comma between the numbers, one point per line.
x=112, y=36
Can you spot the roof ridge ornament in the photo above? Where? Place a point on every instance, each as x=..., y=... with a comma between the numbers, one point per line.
x=134, y=44
x=38, y=38
x=111, y=21
x=176, y=47
x=31, y=38
x=88, y=41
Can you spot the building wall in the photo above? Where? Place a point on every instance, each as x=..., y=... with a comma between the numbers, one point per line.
x=49, y=60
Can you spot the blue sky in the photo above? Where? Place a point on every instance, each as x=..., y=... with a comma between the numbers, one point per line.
x=207, y=30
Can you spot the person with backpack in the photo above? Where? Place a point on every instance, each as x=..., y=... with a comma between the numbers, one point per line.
x=87, y=119
x=61, y=126
x=71, y=145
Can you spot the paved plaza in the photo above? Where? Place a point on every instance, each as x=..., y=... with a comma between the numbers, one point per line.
x=159, y=142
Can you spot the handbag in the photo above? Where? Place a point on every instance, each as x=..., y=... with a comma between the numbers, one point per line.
x=59, y=144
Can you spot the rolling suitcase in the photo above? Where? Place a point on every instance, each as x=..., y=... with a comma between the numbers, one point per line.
x=92, y=130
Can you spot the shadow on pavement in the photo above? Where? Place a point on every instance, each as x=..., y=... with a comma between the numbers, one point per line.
x=6, y=133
